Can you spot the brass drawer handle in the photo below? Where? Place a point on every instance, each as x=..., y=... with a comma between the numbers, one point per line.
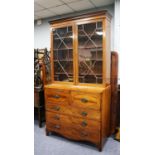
x=57, y=126
x=84, y=100
x=83, y=113
x=84, y=134
x=57, y=108
x=56, y=96
x=84, y=123
x=56, y=117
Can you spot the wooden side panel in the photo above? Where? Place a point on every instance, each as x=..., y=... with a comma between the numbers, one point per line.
x=114, y=88
x=106, y=99
x=75, y=40
x=51, y=56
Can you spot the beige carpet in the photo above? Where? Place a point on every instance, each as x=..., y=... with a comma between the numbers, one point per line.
x=56, y=145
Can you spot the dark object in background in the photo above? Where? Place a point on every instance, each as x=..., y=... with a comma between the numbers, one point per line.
x=117, y=135
x=46, y=67
x=115, y=92
x=41, y=63
x=39, y=105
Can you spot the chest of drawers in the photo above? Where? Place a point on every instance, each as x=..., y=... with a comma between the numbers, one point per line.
x=78, y=113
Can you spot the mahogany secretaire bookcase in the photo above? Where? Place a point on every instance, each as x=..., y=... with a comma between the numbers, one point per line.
x=77, y=99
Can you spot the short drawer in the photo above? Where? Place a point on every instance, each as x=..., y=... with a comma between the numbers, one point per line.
x=58, y=108
x=56, y=127
x=86, y=113
x=57, y=118
x=87, y=135
x=85, y=124
x=84, y=100
x=56, y=96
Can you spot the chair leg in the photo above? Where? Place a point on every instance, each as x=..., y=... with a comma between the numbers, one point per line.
x=39, y=117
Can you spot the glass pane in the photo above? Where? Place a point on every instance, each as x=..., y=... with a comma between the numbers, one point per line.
x=63, y=54
x=90, y=52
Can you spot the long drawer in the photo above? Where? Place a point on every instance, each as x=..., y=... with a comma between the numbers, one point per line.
x=73, y=131
x=74, y=111
x=85, y=100
x=74, y=134
x=72, y=121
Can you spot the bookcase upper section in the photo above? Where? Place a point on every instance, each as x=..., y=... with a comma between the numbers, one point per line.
x=80, y=49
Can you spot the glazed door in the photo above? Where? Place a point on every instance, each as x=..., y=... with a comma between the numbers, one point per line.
x=90, y=51
x=63, y=54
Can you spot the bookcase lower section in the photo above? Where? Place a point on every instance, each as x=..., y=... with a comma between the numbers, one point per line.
x=78, y=114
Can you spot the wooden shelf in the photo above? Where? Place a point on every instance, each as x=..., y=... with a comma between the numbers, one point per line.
x=61, y=73
x=90, y=35
x=63, y=60
x=63, y=49
x=94, y=48
x=68, y=37
x=92, y=59
x=97, y=74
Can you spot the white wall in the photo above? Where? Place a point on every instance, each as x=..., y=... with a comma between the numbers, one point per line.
x=42, y=35
x=117, y=26
x=42, y=32
x=117, y=33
